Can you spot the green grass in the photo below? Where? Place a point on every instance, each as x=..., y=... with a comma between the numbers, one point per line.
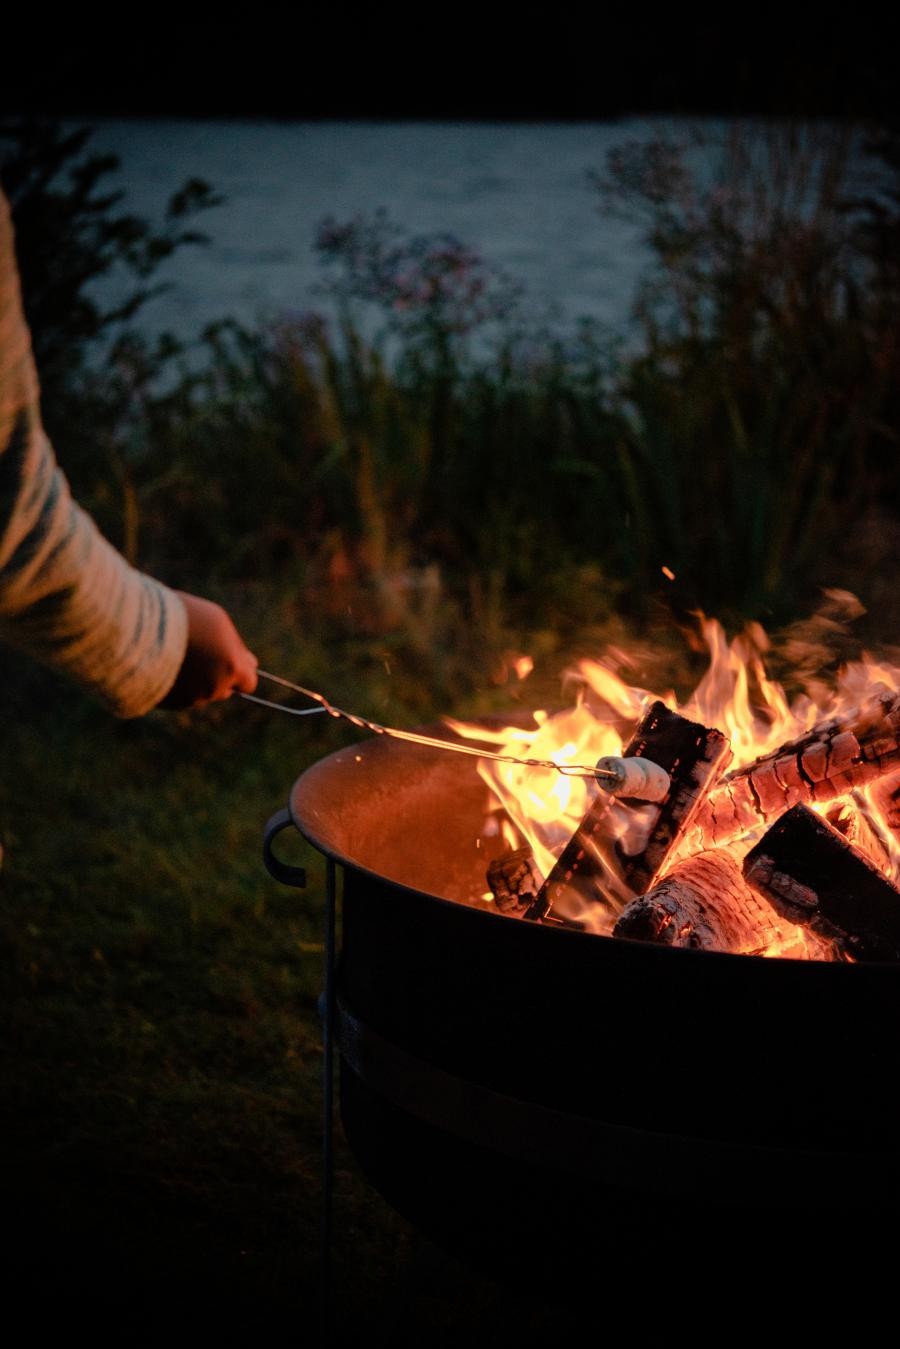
x=161, y=1059
x=160, y=1086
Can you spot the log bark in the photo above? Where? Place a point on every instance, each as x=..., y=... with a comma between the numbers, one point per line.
x=812, y=876
x=704, y=903
x=591, y=864
x=831, y=760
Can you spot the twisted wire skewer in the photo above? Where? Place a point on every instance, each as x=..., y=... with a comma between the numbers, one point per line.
x=433, y=742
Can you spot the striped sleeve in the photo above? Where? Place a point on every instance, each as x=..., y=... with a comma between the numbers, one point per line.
x=67, y=597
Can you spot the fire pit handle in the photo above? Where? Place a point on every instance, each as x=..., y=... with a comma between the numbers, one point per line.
x=280, y=871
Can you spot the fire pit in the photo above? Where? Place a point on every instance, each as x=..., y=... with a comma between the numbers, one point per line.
x=528, y=1093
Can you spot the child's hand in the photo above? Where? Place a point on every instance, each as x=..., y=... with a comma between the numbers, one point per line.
x=216, y=662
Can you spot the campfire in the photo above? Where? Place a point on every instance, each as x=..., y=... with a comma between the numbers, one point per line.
x=740, y=821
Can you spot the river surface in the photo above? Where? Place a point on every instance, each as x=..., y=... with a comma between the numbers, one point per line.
x=518, y=193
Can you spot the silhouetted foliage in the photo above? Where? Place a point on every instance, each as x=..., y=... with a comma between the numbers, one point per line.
x=747, y=441
x=764, y=400
x=97, y=375
x=70, y=233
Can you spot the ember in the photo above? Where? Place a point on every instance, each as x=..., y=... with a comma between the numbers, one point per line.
x=754, y=824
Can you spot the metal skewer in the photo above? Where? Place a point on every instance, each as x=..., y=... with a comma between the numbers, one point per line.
x=365, y=724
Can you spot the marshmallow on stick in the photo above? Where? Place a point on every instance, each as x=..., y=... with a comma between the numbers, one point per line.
x=641, y=779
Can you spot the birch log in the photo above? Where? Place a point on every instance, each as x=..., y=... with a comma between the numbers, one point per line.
x=831, y=760
x=704, y=903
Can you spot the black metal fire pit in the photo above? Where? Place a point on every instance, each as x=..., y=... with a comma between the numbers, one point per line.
x=534, y=1096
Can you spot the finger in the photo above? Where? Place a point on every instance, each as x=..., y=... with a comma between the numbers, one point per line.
x=240, y=678
x=246, y=678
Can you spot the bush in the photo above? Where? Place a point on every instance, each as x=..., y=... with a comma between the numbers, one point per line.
x=763, y=402
x=428, y=441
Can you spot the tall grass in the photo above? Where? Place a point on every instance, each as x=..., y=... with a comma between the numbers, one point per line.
x=428, y=450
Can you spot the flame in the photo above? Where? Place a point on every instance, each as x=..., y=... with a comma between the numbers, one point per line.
x=542, y=808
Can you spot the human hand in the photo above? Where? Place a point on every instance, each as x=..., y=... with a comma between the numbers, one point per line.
x=216, y=662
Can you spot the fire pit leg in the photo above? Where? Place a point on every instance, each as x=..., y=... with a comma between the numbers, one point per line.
x=296, y=876
x=328, y=1031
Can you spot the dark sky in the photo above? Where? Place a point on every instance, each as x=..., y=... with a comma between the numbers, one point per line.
x=443, y=63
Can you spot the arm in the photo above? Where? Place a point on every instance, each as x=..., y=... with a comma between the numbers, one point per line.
x=67, y=597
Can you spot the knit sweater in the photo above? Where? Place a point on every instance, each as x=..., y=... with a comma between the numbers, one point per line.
x=67, y=597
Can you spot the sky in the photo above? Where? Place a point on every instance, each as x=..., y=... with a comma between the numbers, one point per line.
x=380, y=62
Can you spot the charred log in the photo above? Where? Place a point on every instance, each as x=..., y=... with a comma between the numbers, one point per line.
x=859, y=824
x=885, y=795
x=705, y=903
x=834, y=758
x=812, y=876
x=514, y=881
x=693, y=756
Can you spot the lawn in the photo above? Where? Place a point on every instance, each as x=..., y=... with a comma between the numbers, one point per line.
x=162, y=1059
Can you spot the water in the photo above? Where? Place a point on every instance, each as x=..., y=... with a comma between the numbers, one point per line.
x=518, y=193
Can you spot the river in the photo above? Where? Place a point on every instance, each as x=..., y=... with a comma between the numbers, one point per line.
x=518, y=193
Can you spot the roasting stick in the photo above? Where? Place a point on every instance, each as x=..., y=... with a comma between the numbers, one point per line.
x=363, y=723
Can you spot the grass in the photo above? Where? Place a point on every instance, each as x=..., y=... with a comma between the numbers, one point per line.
x=161, y=1061
x=161, y=1064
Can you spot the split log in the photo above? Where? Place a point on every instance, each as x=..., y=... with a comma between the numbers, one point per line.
x=812, y=876
x=885, y=797
x=591, y=864
x=831, y=760
x=705, y=903
x=854, y=818
x=694, y=756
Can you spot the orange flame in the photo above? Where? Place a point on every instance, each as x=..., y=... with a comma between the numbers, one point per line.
x=735, y=695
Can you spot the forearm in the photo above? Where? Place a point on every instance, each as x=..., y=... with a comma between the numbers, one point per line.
x=69, y=599
x=66, y=596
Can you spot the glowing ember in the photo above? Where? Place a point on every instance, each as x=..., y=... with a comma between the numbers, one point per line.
x=541, y=810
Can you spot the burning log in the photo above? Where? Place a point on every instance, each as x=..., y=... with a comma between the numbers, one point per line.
x=693, y=756
x=832, y=759
x=514, y=881
x=812, y=876
x=705, y=903
x=855, y=820
x=885, y=794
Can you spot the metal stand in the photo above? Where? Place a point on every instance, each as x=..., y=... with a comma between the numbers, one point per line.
x=296, y=876
x=328, y=1037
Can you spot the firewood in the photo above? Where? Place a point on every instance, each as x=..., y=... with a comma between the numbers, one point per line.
x=885, y=797
x=856, y=820
x=694, y=756
x=831, y=760
x=812, y=876
x=600, y=871
x=514, y=881
x=704, y=902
